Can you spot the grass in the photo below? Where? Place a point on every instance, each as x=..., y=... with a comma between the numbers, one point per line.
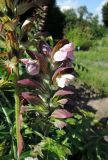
x=96, y=61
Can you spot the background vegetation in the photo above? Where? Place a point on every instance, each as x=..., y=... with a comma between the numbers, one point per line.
x=96, y=62
x=87, y=33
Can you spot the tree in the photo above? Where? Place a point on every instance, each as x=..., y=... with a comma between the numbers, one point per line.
x=96, y=28
x=70, y=17
x=82, y=10
x=89, y=16
x=55, y=21
x=105, y=14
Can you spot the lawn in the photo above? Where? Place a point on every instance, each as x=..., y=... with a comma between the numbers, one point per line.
x=96, y=62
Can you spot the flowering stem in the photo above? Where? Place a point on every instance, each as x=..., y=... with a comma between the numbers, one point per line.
x=17, y=102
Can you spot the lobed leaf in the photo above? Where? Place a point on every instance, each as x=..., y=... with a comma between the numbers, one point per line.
x=61, y=151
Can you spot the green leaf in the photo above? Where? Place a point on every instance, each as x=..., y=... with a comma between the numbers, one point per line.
x=2, y=45
x=71, y=121
x=60, y=150
x=25, y=154
x=39, y=108
x=2, y=5
x=38, y=134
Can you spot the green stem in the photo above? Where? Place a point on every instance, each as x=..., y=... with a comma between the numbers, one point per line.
x=17, y=102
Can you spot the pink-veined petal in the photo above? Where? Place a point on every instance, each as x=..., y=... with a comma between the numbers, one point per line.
x=24, y=60
x=67, y=47
x=70, y=55
x=63, y=53
x=60, y=44
x=33, y=67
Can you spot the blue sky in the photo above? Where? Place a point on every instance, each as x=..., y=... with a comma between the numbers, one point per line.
x=93, y=6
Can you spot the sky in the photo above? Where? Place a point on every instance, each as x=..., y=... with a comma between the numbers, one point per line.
x=93, y=6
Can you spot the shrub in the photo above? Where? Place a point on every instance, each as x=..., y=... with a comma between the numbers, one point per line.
x=81, y=36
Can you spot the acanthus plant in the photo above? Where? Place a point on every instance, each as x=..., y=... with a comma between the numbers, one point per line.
x=49, y=81
x=38, y=77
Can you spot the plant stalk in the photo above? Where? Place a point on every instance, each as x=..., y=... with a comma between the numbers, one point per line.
x=17, y=103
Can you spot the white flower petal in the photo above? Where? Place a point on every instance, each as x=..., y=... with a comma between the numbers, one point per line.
x=67, y=47
x=60, y=56
x=63, y=53
x=64, y=80
x=32, y=67
x=60, y=82
x=26, y=22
